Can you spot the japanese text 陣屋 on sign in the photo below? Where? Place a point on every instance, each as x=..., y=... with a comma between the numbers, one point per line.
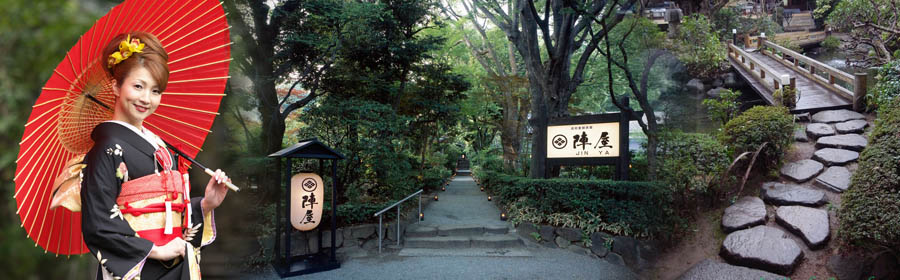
x=589, y=140
x=307, y=193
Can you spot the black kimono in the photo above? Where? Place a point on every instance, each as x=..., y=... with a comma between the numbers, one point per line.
x=120, y=154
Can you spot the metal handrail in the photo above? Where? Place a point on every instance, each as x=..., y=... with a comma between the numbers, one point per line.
x=397, y=204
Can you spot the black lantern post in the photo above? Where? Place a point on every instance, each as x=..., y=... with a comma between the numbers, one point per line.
x=285, y=263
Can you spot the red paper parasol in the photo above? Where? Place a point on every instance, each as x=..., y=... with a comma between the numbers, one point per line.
x=78, y=96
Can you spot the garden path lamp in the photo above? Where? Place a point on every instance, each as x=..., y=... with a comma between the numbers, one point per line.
x=79, y=95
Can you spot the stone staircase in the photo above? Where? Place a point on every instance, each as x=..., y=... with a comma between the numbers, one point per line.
x=462, y=167
x=462, y=223
x=460, y=236
x=799, y=22
x=801, y=224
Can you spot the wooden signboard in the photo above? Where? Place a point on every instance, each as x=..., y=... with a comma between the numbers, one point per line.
x=307, y=193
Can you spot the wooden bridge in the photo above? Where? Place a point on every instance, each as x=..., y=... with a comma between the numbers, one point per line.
x=802, y=38
x=820, y=87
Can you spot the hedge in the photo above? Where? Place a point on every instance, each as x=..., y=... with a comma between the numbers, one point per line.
x=870, y=210
x=644, y=208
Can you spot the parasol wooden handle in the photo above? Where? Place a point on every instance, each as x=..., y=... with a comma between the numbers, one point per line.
x=227, y=183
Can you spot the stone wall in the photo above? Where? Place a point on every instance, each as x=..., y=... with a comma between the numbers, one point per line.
x=622, y=250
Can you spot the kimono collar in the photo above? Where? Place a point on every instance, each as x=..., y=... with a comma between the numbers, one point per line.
x=116, y=130
x=144, y=133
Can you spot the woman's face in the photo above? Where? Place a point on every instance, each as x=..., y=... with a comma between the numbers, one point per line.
x=138, y=97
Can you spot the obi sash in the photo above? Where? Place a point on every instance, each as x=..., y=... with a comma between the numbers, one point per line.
x=143, y=202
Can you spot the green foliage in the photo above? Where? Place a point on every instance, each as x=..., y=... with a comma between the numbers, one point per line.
x=758, y=125
x=640, y=209
x=887, y=85
x=786, y=96
x=729, y=18
x=638, y=171
x=699, y=48
x=831, y=43
x=870, y=209
x=593, y=96
x=725, y=107
x=789, y=44
x=863, y=21
x=691, y=165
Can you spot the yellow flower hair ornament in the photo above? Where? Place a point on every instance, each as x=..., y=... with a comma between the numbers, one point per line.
x=126, y=48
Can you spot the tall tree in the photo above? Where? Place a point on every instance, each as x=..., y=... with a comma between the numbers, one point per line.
x=504, y=75
x=548, y=45
x=295, y=42
x=872, y=25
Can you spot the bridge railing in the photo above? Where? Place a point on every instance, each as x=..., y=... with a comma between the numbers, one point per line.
x=852, y=87
x=770, y=78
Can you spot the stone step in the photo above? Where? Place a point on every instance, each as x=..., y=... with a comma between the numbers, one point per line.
x=454, y=230
x=854, y=126
x=831, y=156
x=836, y=116
x=802, y=170
x=451, y=242
x=835, y=178
x=439, y=242
x=853, y=142
x=465, y=252
x=712, y=270
x=762, y=247
x=810, y=224
x=463, y=172
x=747, y=212
x=776, y=193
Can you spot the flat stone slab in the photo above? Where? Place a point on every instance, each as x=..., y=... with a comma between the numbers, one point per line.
x=832, y=156
x=439, y=242
x=810, y=224
x=459, y=230
x=836, y=116
x=762, y=247
x=853, y=142
x=713, y=270
x=803, y=170
x=496, y=241
x=421, y=231
x=747, y=212
x=816, y=130
x=854, y=126
x=835, y=178
x=800, y=136
x=790, y=194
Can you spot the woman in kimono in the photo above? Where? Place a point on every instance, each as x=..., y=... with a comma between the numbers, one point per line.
x=137, y=215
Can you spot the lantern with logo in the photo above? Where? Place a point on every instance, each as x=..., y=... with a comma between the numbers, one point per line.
x=303, y=205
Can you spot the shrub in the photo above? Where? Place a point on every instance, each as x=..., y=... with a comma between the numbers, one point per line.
x=831, y=43
x=691, y=164
x=640, y=209
x=786, y=96
x=887, y=86
x=725, y=107
x=699, y=48
x=760, y=124
x=870, y=212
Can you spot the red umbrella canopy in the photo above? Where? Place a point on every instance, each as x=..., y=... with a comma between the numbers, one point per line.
x=78, y=96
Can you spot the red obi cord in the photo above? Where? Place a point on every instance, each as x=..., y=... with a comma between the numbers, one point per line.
x=158, y=236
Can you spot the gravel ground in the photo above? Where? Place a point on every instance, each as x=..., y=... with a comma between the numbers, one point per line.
x=545, y=264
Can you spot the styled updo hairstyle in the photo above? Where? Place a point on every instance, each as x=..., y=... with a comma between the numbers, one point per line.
x=153, y=57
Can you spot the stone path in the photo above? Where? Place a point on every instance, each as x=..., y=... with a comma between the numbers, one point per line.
x=800, y=219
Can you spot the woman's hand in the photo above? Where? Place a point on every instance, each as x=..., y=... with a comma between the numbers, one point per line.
x=215, y=191
x=171, y=250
